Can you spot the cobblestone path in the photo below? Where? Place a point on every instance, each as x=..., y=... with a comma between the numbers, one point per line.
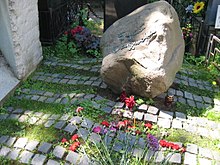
x=28, y=151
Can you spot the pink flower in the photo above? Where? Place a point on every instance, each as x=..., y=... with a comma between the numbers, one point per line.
x=120, y=124
x=148, y=125
x=130, y=102
x=74, y=137
x=97, y=129
x=123, y=96
x=78, y=109
x=64, y=140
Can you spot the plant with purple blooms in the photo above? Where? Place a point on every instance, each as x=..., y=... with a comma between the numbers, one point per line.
x=152, y=142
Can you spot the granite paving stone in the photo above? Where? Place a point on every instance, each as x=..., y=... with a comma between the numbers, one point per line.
x=87, y=123
x=138, y=115
x=159, y=157
x=70, y=128
x=200, y=105
x=84, y=160
x=14, y=154
x=38, y=114
x=54, y=117
x=192, y=148
x=191, y=103
x=83, y=133
x=174, y=158
x=10, y=141
x=4, y=151
x=110, y=103
x=38, y=159
x=107, y=109
x=149, y=155
x=21, y=143
x=9, y=109
x=60, y=124
x=45, y=147
x=89, y=96
x=42, y=98
x=179, y=93
x=207, y=100
x=35, y=97
x=72, y=82
x=190, y=159
x=203, y=131
x=203, y=161
x=64, y=81
x=95, y=138
x=33, y=120
x=153, y=110
x=189, y=127
x=180, y=116
x=3, y=139
x=14, y=116
x=118, y=146
x=59, y=151
x=73, y=157
x=138, y=152
x=52, y=162
x=177, y=124
x=119, y=105
x=181, y=100
x=88, y=82
x=48, y=94
x=76, y=120
x=127, y=114
x=45, y=116
x=25, y=157
x=50, y=100
x=141, y=142
x=150, y=117
x=206, y=153
x=188, y=95
x=166, y=114
x=3, y=116
x=164, y=123
x=171, y=91
x=198, y=98
x=49, y=123
x=32, y=145
x=18, y=111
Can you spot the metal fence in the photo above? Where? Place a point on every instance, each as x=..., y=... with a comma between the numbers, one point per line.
x=53, y=21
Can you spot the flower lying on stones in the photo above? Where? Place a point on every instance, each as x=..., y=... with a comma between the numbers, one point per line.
x=198, y=7
x=121, y=124
x=152, y=142
x=137, y=132
x=105, y=123
x=64, y=140
x=123, y=96
x=74, y=137
x=171, y=145
x=130, y=102
x=74, y=146
x=148, y=125
x=79, y=109
x=97, y=129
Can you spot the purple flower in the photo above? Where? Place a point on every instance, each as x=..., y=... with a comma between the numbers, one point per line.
x=104, y=131
x=113, y=129
x=152, y=142
x=97, y=129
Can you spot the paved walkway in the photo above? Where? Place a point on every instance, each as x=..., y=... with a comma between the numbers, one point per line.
x=36, y=152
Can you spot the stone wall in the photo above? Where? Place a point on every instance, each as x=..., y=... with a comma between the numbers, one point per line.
x=19, y=38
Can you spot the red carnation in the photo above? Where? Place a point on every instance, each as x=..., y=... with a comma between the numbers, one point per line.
x=72, y=147
x=137, y=132
x=163, y=143
x=130, y=102
x=78, y=109
x=64, y=140
x=176, y=147
x=105, y=123
x=148, y=125
x=126, y=122
x=74, y=137
x=120, y=124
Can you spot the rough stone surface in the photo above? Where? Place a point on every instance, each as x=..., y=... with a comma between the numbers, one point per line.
x=59, y=151
x=145, y=49
x=45, y=147
x=150, y=117
x=164, y=123
x=190, y=159
x=14, y=154
x=52, y=162
x=192, y=148
x=153, y=110
x=31, y=145
x=25, y=157
x=4, y=151
x=72, y=157
x=174, y=158
x=20, y=143
x=70, y=128
x=38, y=159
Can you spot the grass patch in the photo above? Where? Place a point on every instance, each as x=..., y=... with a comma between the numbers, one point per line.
x=15, y=128
x=66, y=70
x=35, y=106
x=59, y=88
x=6, y=161
x=213, y=115
x=40, y=133
x=188, y=110
x=187, y=137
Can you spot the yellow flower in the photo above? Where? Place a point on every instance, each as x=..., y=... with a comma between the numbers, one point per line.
x=214, y=83
x=198, y=7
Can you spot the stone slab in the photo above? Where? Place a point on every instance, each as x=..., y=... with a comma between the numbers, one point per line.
x=21, y=143
x=45, y=147
x=25, y=157
x=31, y=145
x=59, y=152
x=73, y=157
x=38, y=159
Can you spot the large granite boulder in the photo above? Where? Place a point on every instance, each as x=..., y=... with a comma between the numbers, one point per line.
x=143, y=50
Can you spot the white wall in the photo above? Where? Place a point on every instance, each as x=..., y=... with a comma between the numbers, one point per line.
x=6, y=43
x=23, y=49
